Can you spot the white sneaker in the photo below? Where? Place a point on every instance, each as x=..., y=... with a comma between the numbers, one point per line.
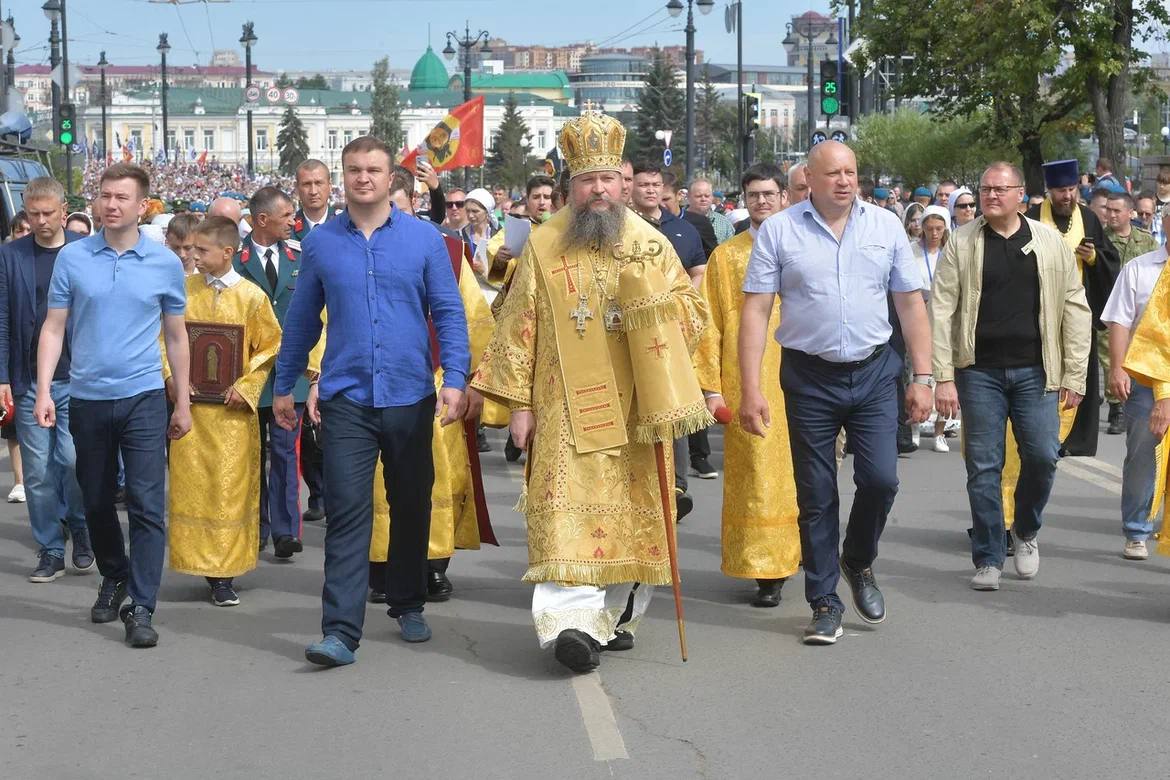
x=915, y=436
x=986, y=578
x=1135, y=551
x=1027, y=558
x=16, y=495
x=940, y=444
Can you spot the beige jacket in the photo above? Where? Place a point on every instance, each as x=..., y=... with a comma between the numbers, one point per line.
x=1065, y=320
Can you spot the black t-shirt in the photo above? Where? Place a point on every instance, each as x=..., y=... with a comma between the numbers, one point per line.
x=43, y=260
x=1007, y=333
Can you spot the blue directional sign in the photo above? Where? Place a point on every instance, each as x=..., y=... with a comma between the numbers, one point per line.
x=667, y=157
x=819, y=137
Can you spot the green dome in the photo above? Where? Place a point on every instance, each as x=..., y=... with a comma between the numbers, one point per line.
x=429, y=72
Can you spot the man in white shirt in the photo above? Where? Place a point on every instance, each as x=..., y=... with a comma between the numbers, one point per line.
x=1122, y=313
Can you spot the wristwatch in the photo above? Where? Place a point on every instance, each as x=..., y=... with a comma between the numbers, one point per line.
x=923, y=379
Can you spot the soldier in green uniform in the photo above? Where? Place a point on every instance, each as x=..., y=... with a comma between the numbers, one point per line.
x=1131, y=241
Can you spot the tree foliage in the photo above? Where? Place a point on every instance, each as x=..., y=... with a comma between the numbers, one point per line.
x=292, y=141
x=385, y=110
x=316, y=81
x=511, y=162
x=661, y=106
x=1004, y=59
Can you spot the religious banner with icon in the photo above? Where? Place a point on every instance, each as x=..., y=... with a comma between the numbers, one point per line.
x=455, y=142
x=217, y=359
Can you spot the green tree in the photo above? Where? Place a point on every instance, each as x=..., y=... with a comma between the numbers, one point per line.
x=661, y=106
x=385, y=110
x=511, y=162
x=292, y=141
x=316, y=81
x=283, y=81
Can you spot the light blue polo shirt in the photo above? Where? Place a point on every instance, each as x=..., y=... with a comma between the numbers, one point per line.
x=115, y=304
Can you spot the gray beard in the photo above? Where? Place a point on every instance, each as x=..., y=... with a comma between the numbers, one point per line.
x=589, y=228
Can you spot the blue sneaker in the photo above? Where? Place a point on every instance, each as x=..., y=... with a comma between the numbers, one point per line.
x=330, y=651
x=414, y=627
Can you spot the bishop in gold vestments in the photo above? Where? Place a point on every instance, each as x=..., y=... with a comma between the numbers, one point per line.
x=561, y=360
x=215, y=469
x=761, y=539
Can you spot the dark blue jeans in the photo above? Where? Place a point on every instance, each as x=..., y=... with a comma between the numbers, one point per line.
x=136, y=426
x=353, y=438
x=989, y=397
x=280, y=482
x=820, y=398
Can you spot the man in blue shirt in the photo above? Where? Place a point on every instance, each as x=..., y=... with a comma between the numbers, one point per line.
x=380, y=273
x=833, y=260
x=115, y=288
x=26, y=266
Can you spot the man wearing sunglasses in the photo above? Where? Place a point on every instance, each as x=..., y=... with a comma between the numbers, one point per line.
x=1001, y=355
x=456, y=217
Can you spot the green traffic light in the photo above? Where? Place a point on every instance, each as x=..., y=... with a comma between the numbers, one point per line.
x=830, y=105
x=829, y=88
x=66, y=138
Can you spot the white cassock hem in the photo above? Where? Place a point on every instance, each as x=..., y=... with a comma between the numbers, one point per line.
x=588, y=608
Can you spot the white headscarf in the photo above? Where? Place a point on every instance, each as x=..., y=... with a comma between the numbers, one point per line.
x=955, y=199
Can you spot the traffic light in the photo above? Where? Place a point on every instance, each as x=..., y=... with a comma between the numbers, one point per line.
x=830, y=88
x=751, y=113
x=66, y=122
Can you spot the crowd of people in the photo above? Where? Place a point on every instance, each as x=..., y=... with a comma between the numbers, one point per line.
x=362, y=339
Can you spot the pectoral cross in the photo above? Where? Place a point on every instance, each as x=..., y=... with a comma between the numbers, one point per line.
x=580, y=314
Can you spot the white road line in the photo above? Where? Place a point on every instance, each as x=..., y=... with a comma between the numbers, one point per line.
x=1077, y=472
x=1100, y=465
x=600, y=723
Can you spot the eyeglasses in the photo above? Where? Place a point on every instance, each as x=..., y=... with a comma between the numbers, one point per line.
x=767, y=195
x=455, y=204
x=1145, y=214
x=1000, y=192
x=969, y=205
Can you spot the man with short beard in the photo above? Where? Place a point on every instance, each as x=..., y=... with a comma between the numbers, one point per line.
x=561, y=359
x=1100, y=266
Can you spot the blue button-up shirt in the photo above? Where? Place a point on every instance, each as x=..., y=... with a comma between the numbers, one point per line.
x=115, y=304
x=833, y=293
x=378, y=293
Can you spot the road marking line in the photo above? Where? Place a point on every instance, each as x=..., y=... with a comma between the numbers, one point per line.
x=600, y=723
x=1100, y=465
x=1109, y=485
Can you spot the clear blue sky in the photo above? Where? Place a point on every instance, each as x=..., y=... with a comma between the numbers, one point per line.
x=320, y=34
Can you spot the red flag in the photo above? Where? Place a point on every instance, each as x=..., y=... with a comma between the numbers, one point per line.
x=202, y=159
x=455, y=142
x=127, y=155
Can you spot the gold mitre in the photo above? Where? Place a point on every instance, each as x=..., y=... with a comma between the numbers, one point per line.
x=592, y=142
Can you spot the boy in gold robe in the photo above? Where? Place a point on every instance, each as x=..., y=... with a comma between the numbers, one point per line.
x=761, y=539
x=215, y=471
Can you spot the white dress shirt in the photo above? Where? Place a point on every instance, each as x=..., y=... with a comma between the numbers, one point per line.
x=1132, y=291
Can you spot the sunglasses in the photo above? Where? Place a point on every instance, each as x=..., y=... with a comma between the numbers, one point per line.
x=455, y=204
x=1145, y=214
x=964, y=205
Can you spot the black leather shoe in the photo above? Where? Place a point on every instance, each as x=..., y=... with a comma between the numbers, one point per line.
x=1009, y=544
x=622, y=640
x=139, y=631
x=439, y=588
x=684, y=504
x=111, y=594
x=512, y=453
x=867, y=599
x=578, y=651
x=825, y=627
x=313, y=515
x=377, y=596
x=768, y=594
x=287, y=545
x=481, y=441
x=1116, y=420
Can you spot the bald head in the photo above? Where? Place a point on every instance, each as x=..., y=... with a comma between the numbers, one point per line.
x=832, y=177
x=225, y=207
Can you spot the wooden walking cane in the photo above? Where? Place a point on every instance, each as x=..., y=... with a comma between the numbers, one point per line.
x=671, y=546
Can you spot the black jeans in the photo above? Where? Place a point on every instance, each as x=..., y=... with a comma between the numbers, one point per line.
x=353, y=438
x=820, y=399
x=137, y=427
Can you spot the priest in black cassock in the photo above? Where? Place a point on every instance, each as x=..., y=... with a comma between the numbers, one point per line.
x=1100, y=264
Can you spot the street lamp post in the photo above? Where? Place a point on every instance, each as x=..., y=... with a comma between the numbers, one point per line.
x=466, y=44
x=675, y=8
x=163, y=48
x=11, y=83
x=809, y=33
x=249, y=38
x=102, y=65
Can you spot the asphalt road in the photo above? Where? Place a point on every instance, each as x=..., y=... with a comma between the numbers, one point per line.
x=1061, y=677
